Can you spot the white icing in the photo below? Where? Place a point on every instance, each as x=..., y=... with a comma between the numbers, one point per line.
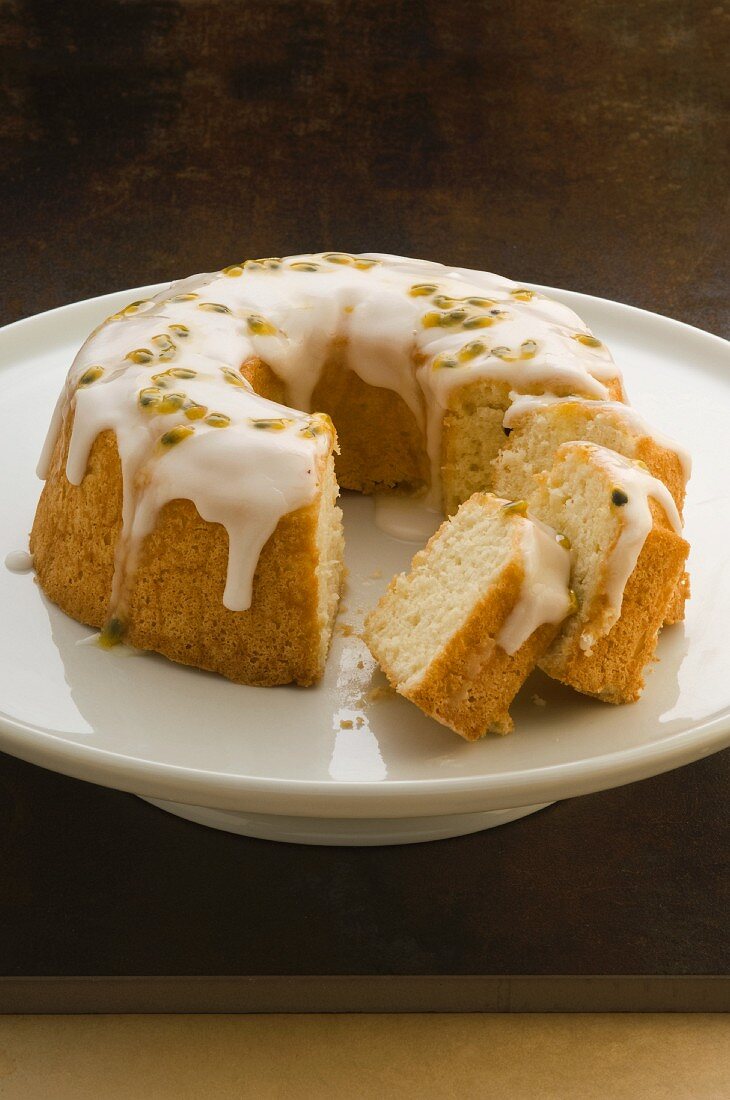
x=545, y=596
x=289, y=317
x=636, y=523
x=407, y=518
x=525, y=404
x=19, y=561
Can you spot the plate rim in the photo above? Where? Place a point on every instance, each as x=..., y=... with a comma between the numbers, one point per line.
x=391, y=797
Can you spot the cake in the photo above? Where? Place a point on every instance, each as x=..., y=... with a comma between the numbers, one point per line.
x=189, y=504
x=628, y=557
x=536, y=426
x=459, y=633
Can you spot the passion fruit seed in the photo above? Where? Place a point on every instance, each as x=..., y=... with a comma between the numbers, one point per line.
x=133, y=307
x=528, y=348
x=573, y=602
x=193, y=411
x=338, y=258
x=184, y=298
x=171, y=402
x=149, y=398
x=619, y=498
x=233, y=377
x=217, y=420
x=300, y=266
x=472, y=350
x=233, y=271
x=506, y=354
x=276, y=425
x=112, y=633
x=140, y=355
x=163, y=341
x=92, y=374
x=365, y=265
x=259, y=326
x=445, y=362
x=454, y=317
x=317, y=425
x=564, y=541
x=176, y=435
x=181, y=331
x=587, y=340
x=523, y=294
x=213, y=307
x=478, y=322
x=444, y=302
x=515, y=508
x=422, y=290
x=483, y=303
x=270, y=263
x=181, y=372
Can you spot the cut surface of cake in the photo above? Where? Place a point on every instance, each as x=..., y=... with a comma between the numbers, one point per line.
x=460, y=632
x=189, y=504
x=628, y=556
x=537, y=425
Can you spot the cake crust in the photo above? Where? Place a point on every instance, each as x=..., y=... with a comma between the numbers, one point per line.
x=613, y=670
x=175, y=601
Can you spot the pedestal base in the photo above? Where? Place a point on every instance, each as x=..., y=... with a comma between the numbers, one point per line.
x=345, y=832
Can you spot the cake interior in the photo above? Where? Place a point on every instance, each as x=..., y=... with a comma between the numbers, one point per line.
x=428, y=606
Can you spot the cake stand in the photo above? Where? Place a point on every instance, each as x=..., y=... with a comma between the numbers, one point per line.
x=349, y=762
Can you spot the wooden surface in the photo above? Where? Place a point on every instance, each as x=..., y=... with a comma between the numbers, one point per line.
x=579, y=145
x=367, y=1058
x=630, y=881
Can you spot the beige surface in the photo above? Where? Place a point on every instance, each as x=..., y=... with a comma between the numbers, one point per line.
x=652, y=1057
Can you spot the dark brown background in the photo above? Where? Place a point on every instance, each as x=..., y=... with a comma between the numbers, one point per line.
x=576, y=144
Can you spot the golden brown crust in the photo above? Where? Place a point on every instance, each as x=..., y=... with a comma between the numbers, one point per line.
x=613, y=670
x=664, y=465
x=175, y=602
x=470, y=685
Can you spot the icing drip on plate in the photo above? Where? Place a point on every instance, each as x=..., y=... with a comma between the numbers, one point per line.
x=164, y=376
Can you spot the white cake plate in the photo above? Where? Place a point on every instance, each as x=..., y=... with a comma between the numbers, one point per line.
x=348, y=762
x=344, y=831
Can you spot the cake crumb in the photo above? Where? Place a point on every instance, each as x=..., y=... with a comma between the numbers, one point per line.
x=346, y=723
x=539, y=701
x=361, y=663
x=383, y=691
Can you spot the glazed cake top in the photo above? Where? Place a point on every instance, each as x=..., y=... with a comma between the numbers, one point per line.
x=164, y=375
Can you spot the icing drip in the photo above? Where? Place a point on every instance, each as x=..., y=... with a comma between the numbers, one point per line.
x=19, y=561
x=545, y=596
x=525, y=404
x=638, y=486
x=163, y=376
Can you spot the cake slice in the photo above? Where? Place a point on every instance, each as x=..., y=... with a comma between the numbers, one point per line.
x=536, y=426
x=628, y=558
x=460, y=632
